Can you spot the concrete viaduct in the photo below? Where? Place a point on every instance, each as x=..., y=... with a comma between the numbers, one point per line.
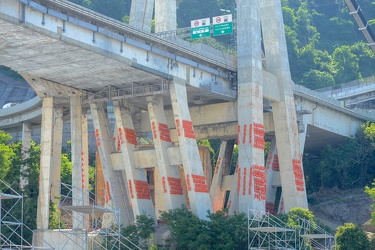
x=78, y=60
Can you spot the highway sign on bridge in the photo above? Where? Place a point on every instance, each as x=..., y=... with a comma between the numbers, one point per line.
x=200, y=28
x=222, y=25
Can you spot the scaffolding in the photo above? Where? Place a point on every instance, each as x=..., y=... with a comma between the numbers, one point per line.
x=12, y=228
x=266, y=231
x=96, y=226
x=311, y=236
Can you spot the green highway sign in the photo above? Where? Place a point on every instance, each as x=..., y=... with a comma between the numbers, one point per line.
x=222, y=25
x=222, y=29
x=200, y=32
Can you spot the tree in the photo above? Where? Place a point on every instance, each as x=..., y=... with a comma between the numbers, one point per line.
x=221, y=231
x=351, y=237
x=140, y=232
x=347, y=165
x=315, y=79
x=6, y=154
x=345, y=64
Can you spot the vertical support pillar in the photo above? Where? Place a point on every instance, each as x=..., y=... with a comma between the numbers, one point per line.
x=302, y=138
x=103, y=140
x=139, y=191
x=251, y=173
x=170, y=176
x=223, y=161
x=26, y=140
x=284, y=113
x=272, y=177
x=195, y=179
x=45, y=164
x=141, y=12
x=56, y=153
x=85, y=166
x=165, y=15
x=85, y=157
x=76, y=140
x=233, y=195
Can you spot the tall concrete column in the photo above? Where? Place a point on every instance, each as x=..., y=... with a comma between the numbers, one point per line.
x=85, y=166
x=45, y=164
x=251, y=173
x=103, y=142
x=284, y=113
x=85, y=157
x=56, y=153
x=139, y=191
x=232, y=204
x=76, y=140
x=272, y=177
x=165, y=15
x=195, y=179
x=169, y=174
x=26, y=140
x=141, y=12
x=223, y=163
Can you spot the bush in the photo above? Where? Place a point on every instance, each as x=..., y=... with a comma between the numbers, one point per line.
x=351, y=237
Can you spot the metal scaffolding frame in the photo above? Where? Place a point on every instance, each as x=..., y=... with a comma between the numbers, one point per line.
x=311, y=236
x=98, y=225
x=266, y=231
x=12, y=228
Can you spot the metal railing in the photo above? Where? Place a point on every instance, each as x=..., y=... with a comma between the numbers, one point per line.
x=110, y=93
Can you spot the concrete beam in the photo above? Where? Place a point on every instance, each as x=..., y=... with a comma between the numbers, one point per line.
x=44, y=87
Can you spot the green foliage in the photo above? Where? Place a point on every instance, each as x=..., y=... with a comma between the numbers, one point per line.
x=371, y=192
x=116, y=9
x=348, y=165
x=315, y=79
x=297, y=214
x=345, y=64
x=219, y=232
x=351, y=237
x=140, y=232
x=6, y=154
x=54, y=213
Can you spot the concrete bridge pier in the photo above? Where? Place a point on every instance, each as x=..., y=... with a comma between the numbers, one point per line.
x=119, y=199
x=56, y=155
x=45, y=163
x=169, y=174
x=251, y=178
x=233, y=194
x=136, y=179
x=195, y=179
x=141, y=12
x=76, y=122
x=217, y=194
x=272, y=177
x=165, y=15
x=284, y=113
x=26, y=140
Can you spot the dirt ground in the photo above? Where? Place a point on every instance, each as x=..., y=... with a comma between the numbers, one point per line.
x=334, y=207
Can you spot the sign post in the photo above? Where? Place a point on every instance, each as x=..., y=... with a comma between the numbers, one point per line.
x=200, y=28
x=222, y=25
